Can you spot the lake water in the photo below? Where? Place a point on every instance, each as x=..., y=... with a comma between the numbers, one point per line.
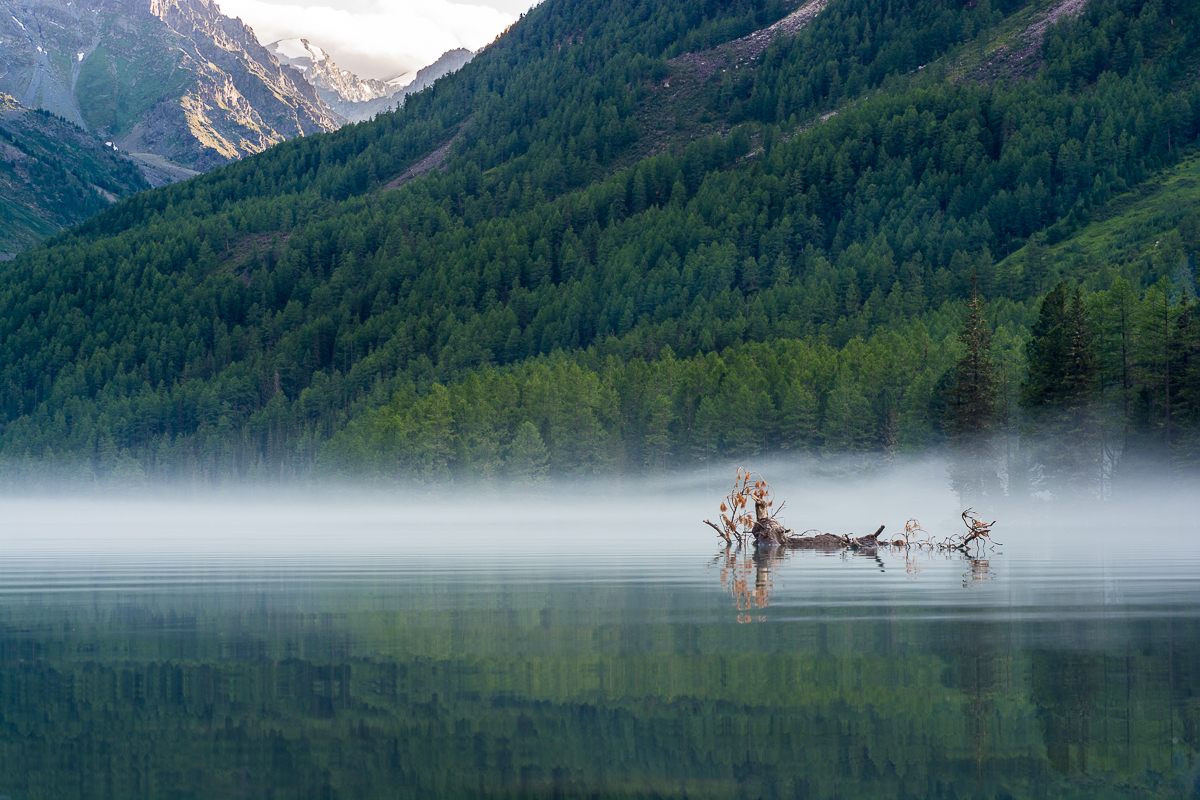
x=592, y=643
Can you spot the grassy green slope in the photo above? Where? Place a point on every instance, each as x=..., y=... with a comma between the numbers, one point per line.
x=22, y=227
x=127, y=75
x=551, y=297
x=1143, y=236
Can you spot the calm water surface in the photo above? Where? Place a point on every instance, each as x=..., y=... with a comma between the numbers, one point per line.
x=591, y=644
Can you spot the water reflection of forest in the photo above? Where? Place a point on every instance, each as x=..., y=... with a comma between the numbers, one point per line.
x=135, y=702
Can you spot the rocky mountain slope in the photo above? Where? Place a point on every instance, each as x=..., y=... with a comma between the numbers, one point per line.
x=356, y=98
x=53, y=175
x=173, y=82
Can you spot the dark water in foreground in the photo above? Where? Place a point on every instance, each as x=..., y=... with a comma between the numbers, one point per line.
x=362, y=650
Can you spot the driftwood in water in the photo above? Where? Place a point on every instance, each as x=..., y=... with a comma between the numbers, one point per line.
x=769, y=533
x=764, y=529
x=830, y=542
x=740, y=526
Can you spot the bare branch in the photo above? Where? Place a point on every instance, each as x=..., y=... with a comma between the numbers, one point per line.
x=720, y=532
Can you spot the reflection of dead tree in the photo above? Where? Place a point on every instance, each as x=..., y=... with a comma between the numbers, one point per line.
x=736, y=569
x=981, y=570
x=748, y=574
x=912, y=568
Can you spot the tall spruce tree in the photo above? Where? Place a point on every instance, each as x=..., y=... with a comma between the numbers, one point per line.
x=1116, y=312
x=1058, y=395
x=970, y=415
x=1164, y=414
x=1187, y=453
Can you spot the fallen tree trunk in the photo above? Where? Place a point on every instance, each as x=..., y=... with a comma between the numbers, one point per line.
x=831, y=542
x=768, y=532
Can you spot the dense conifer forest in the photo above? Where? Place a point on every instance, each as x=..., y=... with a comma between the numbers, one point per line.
x=836, y=247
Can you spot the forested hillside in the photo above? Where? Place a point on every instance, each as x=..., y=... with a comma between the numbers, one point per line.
x=623, y=264
x=53, y=175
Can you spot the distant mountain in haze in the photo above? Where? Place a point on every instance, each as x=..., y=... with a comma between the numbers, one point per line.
x=358, y=99
x=341, y=89
x=175, y=83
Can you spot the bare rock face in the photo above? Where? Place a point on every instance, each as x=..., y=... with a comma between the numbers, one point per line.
x=175, y=80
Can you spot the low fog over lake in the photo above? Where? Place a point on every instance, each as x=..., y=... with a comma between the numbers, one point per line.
x=594, y=639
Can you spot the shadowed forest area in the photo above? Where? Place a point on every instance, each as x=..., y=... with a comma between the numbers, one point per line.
x=586, y=286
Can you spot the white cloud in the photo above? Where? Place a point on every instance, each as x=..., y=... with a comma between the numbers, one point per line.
x=375, y=38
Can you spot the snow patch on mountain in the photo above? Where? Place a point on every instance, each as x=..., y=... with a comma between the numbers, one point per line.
x=297, y=53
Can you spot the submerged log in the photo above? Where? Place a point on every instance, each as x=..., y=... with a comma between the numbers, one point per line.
x=830, y=542
x=822, y=541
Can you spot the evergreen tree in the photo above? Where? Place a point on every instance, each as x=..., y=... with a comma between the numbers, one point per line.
x=527, y=456
x=1116, y=313
x=657, y=441
x=798, y=417
x=1058, y=395
x=1164, y=328
x=849, y=420
x=1188, y=371
x=970, y=416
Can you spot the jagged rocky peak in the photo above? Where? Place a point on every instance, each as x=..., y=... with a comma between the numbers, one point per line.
x=450, y=61
x=196, y=12
x=390, y=94
x=336, y=86
x=351, y=96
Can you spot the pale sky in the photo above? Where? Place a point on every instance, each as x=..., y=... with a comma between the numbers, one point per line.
x=380, y=38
